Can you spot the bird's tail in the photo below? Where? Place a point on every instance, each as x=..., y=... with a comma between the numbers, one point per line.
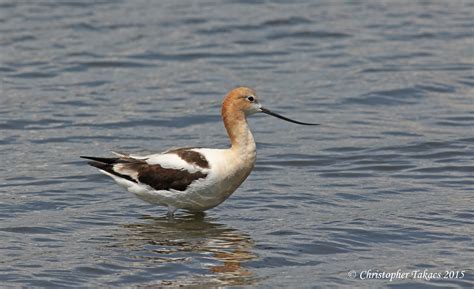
x=107, y=164
x=101, y=163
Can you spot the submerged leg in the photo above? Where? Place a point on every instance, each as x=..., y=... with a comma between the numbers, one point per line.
x=171, y=211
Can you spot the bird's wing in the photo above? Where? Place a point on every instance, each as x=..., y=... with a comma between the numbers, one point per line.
x=173, y=170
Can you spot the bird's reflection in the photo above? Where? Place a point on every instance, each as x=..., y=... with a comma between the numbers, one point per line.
x=197, y=241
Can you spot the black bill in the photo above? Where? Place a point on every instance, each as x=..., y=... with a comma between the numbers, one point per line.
x=264, y=110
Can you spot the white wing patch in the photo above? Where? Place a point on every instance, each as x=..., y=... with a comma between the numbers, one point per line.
x=172, y=161
x=123, y=169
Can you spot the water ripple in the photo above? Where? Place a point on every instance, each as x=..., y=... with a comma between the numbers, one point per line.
x=385, y=182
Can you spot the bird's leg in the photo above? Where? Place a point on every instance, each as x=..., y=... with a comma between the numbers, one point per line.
x=171, y=211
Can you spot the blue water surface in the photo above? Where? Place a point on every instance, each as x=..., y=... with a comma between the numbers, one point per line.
x=386, y=182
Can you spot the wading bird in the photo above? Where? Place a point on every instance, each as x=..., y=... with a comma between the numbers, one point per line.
x=191, y=178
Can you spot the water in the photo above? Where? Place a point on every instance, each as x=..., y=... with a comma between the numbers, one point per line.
x=385, y=183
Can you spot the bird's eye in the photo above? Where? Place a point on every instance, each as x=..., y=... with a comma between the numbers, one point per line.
x=250, y=98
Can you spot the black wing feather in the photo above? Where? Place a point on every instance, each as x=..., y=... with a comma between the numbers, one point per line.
x=155, y=175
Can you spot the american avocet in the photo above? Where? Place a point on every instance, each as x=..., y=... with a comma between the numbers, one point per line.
x=191, y=178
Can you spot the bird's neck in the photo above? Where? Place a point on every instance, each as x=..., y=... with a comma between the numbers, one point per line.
x=239, y=133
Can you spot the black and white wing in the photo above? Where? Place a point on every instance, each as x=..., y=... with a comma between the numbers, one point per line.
x=175, y=169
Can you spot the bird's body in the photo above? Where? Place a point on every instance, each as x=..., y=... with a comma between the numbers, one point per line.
x=194, y=179
x=174, y=180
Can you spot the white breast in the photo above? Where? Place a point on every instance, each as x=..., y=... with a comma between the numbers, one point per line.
x=227, y=171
